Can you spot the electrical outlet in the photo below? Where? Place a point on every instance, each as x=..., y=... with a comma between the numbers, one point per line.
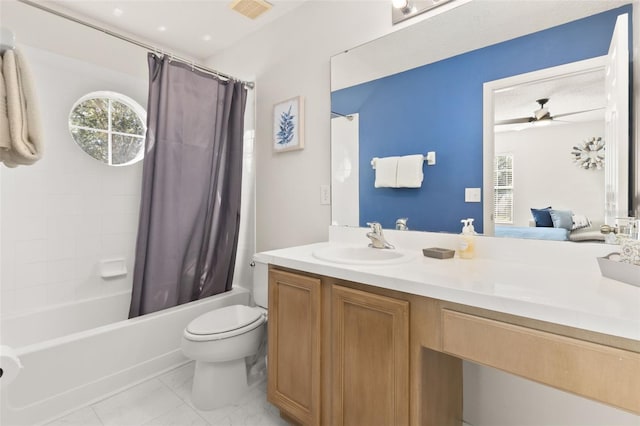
x=472, y=195
x=325, y=194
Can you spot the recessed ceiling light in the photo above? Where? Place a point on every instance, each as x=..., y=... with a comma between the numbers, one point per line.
x=117, y=11
x=206, y=37
x=162, y=28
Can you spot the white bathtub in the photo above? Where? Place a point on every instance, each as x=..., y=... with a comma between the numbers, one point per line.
x=68, y=371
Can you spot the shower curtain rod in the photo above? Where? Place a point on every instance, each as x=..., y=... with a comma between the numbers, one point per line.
x=248, y=84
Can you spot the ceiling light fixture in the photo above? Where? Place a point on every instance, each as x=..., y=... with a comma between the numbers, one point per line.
x=405, y=9
x=117, y=11
x=405, y=6
x=206, y=37
x=162, y=28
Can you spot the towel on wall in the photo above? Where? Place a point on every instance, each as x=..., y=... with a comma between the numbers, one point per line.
x=386, y=172
x=5, y=134
x=25, y=136
x=410, y=171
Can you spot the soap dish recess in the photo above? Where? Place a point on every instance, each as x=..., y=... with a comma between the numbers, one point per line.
x=438, y=253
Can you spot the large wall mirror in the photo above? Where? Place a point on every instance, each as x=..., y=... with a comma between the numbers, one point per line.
x=422, y=89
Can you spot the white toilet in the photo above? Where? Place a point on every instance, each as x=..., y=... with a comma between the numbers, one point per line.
x=220, y=340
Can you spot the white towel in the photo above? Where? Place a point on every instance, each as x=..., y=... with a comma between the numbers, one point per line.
x=5, y=134
x=386, y=171
x=24, y=122
x=410, y=171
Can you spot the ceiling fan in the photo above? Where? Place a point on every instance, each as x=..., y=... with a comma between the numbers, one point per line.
x=542, y=114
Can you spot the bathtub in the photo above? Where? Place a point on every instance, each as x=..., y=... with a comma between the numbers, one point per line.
x=65, y=371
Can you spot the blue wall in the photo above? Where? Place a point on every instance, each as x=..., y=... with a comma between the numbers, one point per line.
x=438, y=107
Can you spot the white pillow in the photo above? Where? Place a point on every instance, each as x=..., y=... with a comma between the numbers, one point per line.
x=580, y=221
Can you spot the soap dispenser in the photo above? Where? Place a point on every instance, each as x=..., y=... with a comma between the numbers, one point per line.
x=466, y=249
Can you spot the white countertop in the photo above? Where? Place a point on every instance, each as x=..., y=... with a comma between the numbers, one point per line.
x=567, y=290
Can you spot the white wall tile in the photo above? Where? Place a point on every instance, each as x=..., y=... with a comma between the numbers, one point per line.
x=59, y=271
x=30, y=274
x=30, y=298
x=60, y=293
x=30, y=251
x=8, y=302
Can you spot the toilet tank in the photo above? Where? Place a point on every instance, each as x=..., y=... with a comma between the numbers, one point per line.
x=260, y=282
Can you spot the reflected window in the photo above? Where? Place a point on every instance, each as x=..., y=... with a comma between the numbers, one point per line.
x=110, y=127
x=503, y=189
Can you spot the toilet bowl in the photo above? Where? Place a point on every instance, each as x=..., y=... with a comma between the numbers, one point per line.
x=220, y=341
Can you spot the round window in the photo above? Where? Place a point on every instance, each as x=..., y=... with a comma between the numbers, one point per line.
x=110, y=127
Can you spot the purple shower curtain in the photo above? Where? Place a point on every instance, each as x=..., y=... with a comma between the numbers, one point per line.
x=192, y=175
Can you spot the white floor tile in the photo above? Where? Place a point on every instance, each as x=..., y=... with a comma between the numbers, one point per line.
x=180, y=381
x=166, y=401
x=184, y=415
x=82, y=417
x=135, y=406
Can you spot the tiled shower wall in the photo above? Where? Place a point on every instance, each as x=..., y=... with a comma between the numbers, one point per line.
x=61, y=216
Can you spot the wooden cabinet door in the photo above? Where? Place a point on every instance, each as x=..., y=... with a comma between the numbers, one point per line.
x=370, y=362
x=294, y=345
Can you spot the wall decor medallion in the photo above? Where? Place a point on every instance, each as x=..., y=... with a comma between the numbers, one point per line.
x=589, y=154
x=288, y=125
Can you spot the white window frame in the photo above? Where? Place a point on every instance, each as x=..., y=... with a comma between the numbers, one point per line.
x=110, y=97
x=502, y=188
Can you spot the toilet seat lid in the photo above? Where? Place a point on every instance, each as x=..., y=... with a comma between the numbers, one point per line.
x=223, y=320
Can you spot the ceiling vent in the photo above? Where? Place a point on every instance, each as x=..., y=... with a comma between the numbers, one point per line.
x=250, y=8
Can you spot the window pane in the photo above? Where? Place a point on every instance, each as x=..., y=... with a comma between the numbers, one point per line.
x=504, y=178
x=92, y=113
x=125, y=120
x=503, y=205
x=125, y=148
x=94, y=143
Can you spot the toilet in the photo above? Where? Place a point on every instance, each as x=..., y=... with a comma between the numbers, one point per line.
x=220, y=340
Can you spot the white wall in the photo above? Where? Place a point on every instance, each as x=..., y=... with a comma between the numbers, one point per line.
x=544, y=173
x=67, y=211
x=291, y=57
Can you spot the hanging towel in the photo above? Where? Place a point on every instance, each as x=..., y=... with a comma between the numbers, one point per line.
x=386, y=170
x=410, y=171
x=5, y=135
x=25, y=145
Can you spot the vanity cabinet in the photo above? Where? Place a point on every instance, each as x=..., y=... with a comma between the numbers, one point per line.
x=362, y=340
x=370, y=372
x=294, y=345
x=347, y=353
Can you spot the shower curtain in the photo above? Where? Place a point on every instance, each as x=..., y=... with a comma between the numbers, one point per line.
x=192, y=175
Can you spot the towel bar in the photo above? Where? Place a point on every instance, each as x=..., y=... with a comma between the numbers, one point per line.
x=430, y=158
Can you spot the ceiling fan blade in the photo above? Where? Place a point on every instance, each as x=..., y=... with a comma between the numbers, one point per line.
x=576, y=112
x=513, y=121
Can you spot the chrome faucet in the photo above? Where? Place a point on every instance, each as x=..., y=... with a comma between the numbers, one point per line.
x=401, y=224
x=376, y=237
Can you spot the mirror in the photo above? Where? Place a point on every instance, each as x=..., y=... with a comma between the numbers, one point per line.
x=395, y=96
x=533, y=122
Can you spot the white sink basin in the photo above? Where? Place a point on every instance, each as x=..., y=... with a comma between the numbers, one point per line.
x=361, y=255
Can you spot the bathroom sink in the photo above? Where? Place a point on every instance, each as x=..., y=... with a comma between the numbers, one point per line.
x=361, y=255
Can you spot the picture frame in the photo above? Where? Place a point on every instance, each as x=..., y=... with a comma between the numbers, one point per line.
x=288, y=125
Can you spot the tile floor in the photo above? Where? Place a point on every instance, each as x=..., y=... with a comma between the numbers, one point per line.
x=166, y=401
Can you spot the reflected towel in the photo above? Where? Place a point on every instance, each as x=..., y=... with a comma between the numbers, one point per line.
x=24, y=122
x=386, y=172
x=410, y=171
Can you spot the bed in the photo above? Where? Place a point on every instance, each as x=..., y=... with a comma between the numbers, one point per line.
x=532, y=233
x=548, y=233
